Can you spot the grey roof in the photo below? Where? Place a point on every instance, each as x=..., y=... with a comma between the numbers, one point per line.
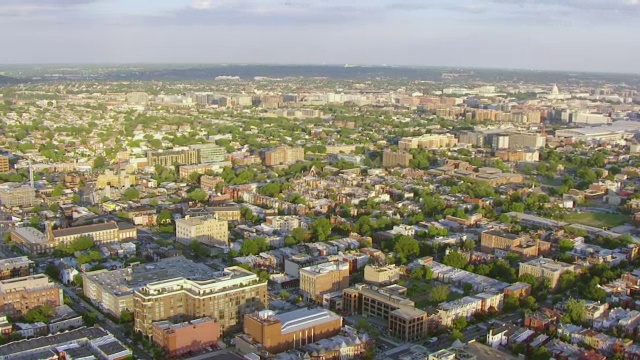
x=51, y=340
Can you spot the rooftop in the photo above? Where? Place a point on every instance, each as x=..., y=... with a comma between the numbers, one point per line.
x=326, y=267
x=305, y=318
x=10, y=263
x=51, y=341
x=79, y=230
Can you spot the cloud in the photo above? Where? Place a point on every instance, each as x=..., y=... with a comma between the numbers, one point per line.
x=38, y=9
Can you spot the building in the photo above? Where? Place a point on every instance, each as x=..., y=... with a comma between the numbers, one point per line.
x=545, y=268
x=32, y=240
x=120, y=179
x=317, y=280
x=405, y=321
x=16, y=267
x=205, y=229
x=82, y=343
x=19, y=295
x=225, y=295
x=381, y=275
x=104, y=233
x=209, y=183
x=209, y=153
x=4, y=164
x=20, y=195
x=429, y=141
x=519, y=290
x=295, y=329
x=284, y=223
x=499, y=242
x=468, y=306
x=184, y=337
x=526, y=140
x=170, y=158
x=282, y=155
x=137, y=98
x=396, y=158
x=185, y=171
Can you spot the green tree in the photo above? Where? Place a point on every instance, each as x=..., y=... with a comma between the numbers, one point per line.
x=198, y=195
x=77, y=279
x=511, y=303
x=99, y=162
x=131, y=194
x=575, y=311
x=321, y=229
x=459, y=323
x=254, y=246
x=565, y=245
x=529, y=279
x=406, y=247
x=199, y=248
x=52, y=271
x=42, y=313
x=58, y=191
x=439, y=293
x=164, y=217
x=90, y=318
x=126, y=316
x=455, y=259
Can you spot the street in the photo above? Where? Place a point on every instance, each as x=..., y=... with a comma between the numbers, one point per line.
x=82, y=306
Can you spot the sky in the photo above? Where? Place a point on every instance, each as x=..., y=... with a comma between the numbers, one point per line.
x=573, y=35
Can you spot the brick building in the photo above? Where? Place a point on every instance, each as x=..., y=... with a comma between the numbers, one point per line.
x=19, y=295
x=317, y=280
x=181, y=338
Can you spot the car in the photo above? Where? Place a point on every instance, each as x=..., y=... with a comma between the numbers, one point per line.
x=433, y=339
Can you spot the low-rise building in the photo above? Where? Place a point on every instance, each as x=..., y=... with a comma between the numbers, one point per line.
x=16, y=267
x=381, y=275
x=545, y=268
x=282, y=332
x=284, y=223
x=18, y=195
x=178, y=339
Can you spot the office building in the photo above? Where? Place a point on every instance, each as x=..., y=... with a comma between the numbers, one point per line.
x=82, y=343
x=526, y=140
x=226, y=296
x=205, y=229
x=390, y=303
x=17, y=195
x=429, y=141
x=381, y=275
x=282, y=155
x=317, y=280
x=396, y=158
x=278, y=333
x=189, y=336
x=209, y=153
x=170, y=158
x=546, y=269
x=19, y=295
x=16, y=267
x=4, y=164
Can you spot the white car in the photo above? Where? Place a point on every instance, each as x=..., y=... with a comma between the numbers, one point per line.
x=432, y=340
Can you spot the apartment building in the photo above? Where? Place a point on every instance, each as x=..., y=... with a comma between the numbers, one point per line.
x=381, y=275
x=317, y=280
x=20, y=195
x=170, y=158
x=278, y=333
x=396, y=158
x=429, y=141
x=16, y=267
x=205, y=229
x=189, y=336
x=119, y=179
x=19, y=295
x=225, y=295
x=518, y=155
x=185, y=171
x=284, y=223
x=282, y=155
x=209, y=153
x=526, y=140
x=545, y=268
x=104, y=233
x=468, y=306
x=390, y=303
x=4, y=164
x=208, y=182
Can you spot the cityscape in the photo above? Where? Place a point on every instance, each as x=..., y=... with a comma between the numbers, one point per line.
x=278, y=180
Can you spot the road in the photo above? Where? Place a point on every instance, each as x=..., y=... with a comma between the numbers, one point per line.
x=117, y=331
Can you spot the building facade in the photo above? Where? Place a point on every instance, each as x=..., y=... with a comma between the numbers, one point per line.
x=227, y=297
x=430, y=141
x=19, y=295
x=22, y=196
x=317, y=280
x=205, y=229
x=287, y=331
x=4, y=164
x=545, y=268
x=178, y=339
x=16, y=267
x=282, y=155
x=396, y=158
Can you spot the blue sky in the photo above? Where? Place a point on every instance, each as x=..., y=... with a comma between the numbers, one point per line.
x=581, y=35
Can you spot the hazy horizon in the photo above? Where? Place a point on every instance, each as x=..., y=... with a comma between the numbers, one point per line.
x=537, y=35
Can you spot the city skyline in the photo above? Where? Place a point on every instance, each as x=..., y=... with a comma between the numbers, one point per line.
x=536, y=35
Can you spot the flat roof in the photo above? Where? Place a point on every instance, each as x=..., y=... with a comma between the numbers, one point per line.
x=50, y=341
x=78, y=230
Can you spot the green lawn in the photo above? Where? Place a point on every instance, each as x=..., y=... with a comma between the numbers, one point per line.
x=597, y=219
